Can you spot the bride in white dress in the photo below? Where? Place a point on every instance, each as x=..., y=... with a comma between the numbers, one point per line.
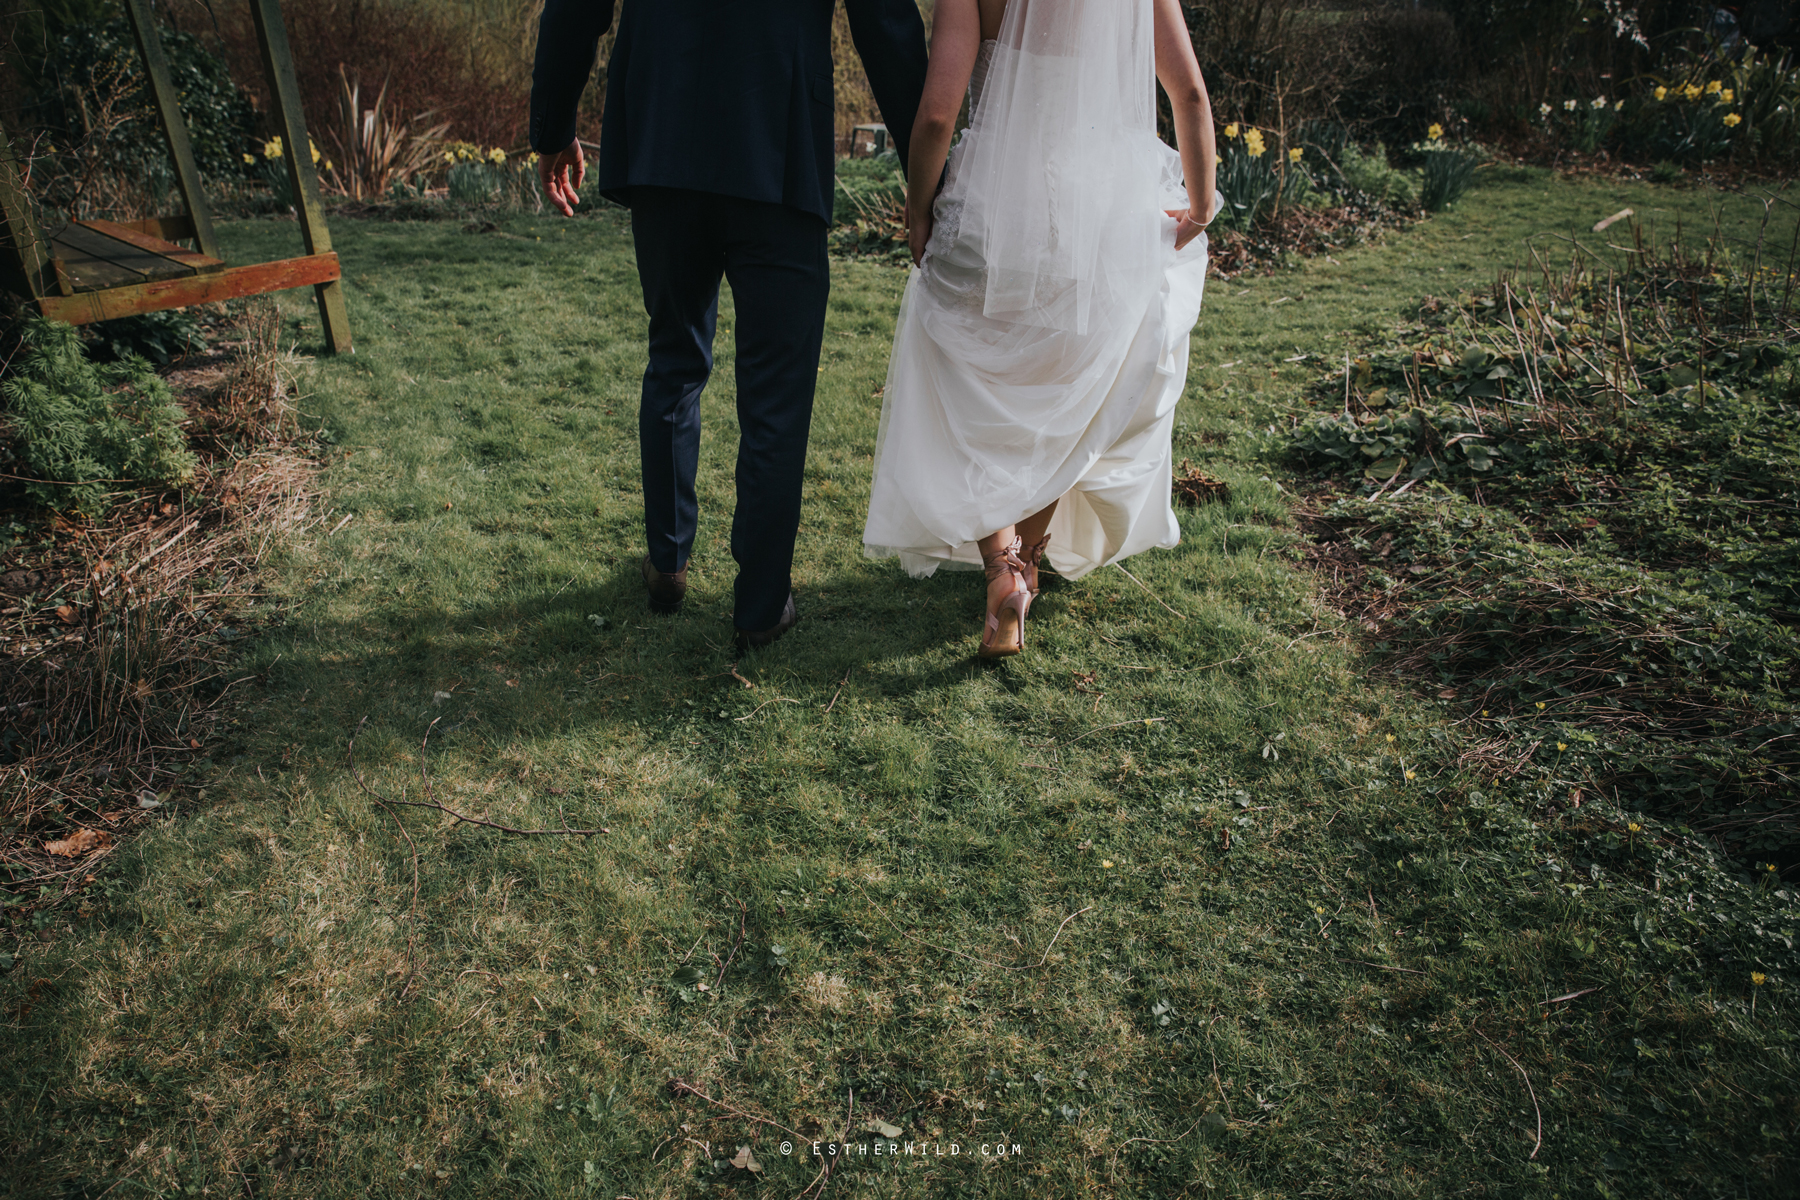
x=1043, y=338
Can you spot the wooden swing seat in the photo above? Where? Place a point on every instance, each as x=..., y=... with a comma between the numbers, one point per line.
x=108, y=269
x=98, y=270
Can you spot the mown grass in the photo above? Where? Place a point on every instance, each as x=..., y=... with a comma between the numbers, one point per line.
x=1310, y=957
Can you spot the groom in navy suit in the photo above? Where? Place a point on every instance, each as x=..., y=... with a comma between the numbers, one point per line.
x=718, y=136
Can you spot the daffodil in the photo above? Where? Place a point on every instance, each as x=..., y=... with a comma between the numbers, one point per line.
x=1231, y=132
x=1253, y=143
x=1545, y=110
x=1599, y=103
x=496, y=156
x=1570, y=105
x=1732, y=120
x=1691, y=91
x=1296, y=154
x=249, y=158
x=1435, y=133
x=1727, y=96
x=1661, y=93
x=1714, y=88
x=1619, y=106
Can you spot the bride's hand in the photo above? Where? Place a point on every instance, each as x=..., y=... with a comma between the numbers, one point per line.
x=1188, y=226
x=918, y=233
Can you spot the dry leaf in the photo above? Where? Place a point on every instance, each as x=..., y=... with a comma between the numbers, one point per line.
x=745, y=1161
x=66, y=613
x=82, y=841
x=141, y=689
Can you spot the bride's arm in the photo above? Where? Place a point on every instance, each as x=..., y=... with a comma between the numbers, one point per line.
x=1179, y=73
x=955, y=40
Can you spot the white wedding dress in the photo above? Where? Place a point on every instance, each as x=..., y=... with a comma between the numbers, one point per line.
x=1020, y=373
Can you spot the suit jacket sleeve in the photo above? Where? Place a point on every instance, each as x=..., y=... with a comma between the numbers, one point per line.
x=568, y=36
x=890, y=39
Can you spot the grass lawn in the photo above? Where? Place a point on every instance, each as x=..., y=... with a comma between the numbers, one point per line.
x=1180, y=903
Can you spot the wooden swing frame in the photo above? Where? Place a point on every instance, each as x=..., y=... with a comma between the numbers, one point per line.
x=96, y=270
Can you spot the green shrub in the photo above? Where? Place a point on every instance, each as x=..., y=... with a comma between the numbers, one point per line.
x=160, y=337
x=75, y=427
x=1369, y=172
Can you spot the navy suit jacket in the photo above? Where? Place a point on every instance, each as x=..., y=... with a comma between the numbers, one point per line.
x=725, y=96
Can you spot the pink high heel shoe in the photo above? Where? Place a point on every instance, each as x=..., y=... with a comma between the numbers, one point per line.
x=1004, y=635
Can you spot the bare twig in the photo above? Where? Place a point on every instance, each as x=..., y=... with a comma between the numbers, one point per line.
x=1147, y=590
x=840, y=689
x=1527, y=1078
x=431, y=801
x=681, y=1087
x=743, y=928
x=412, y=924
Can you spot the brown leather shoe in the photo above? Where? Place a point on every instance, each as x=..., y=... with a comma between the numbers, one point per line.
x=751, y=640
x=666, y=591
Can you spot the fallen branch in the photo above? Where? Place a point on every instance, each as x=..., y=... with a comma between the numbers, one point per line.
x=412, y=928
x=431, y=801
x=681, y=1087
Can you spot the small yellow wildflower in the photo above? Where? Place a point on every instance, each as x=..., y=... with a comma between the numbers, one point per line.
x=1231, y=132
x=1757, y=979
x=1412, y=774
x=249, y=158
x=1562, y=745
x=1768, y=866
x=1318, y=908
x=1714, y=88
x=1732, y=120
x=1662, y=93
x=1435, y=133
x=1107, y=863
x=1296, y=154
x=1634, y=827
x=1484, y=712
x=1390, y=737
x=1540, y=705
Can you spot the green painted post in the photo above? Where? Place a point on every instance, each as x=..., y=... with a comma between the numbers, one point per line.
x=22, y=271
x=174, y=125
x=284, y=92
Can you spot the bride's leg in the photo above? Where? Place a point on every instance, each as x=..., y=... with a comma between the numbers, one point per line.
x=994, y=543
x=1034, y=534
x=1003, y=632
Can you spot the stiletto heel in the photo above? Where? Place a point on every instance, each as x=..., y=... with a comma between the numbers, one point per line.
x=1032, y=555
x=996, y=640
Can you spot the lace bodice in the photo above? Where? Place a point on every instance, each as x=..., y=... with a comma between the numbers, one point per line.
x=984, y=58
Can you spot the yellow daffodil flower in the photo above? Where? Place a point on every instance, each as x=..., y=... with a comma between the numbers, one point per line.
x=1435, y=133
x=1732, y=120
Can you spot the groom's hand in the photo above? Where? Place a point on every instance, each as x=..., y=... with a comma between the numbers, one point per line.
x=561, y=174
x=918, y=233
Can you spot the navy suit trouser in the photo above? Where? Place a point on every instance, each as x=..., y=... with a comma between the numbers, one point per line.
x=774, y=257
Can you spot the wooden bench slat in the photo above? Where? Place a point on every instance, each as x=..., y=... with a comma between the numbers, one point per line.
x=95, y=260
x=153, y=244
x=158, y=294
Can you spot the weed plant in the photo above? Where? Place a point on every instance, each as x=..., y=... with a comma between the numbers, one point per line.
x=73, y=429
x=1185, y=900
x=1603, y=554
